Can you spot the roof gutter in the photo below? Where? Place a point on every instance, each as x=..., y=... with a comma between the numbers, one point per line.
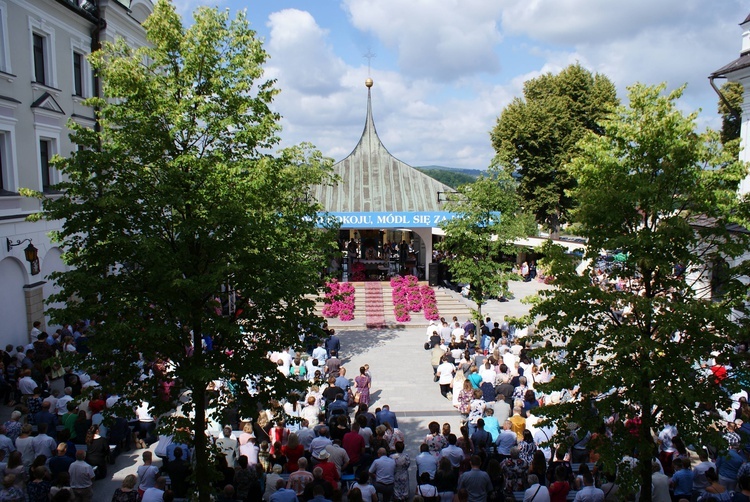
x=723, y=98
x=78, y=10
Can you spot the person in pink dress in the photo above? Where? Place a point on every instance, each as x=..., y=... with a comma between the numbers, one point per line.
x=362, y=384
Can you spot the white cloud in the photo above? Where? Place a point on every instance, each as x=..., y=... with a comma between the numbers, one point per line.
x=440, y=104
x=301, y=58
x=673, y=41
x=442, y=40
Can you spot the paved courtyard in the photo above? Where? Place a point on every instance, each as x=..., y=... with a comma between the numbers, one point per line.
x=401, y=374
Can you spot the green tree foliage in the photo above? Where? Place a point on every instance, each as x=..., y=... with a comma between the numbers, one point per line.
x=453, y=179
x=731, y=111
x=663, y=195
x=536, y=137
x=483, y=230
x=175, y=197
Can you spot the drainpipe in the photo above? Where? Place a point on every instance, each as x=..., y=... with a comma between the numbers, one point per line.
x=722, y=97
x=96, y=44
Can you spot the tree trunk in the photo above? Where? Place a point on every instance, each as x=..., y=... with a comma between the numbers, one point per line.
x=202, y=467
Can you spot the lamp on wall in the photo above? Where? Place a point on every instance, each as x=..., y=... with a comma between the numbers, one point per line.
x=32, y=253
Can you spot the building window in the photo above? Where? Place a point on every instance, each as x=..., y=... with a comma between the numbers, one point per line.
x=78, y=74
x=45, y=154
x=40, y=73
x=42, y=40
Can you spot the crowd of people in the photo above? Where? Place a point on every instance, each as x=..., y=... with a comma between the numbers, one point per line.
x=55, y=443
x=505, y=453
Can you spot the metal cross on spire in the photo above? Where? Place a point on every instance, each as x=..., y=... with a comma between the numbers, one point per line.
x=369, y=55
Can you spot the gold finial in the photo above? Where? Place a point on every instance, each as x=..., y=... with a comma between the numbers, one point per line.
x=368, y=83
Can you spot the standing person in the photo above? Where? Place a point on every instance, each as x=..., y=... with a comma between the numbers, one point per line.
x=81, y=478
x=728, y=464
x=97, y=451
x=527, y=447
x=475, y=481
x=147, y=473
x=156, y=492
x=444, y=376
x=300, y=478
x=558, y=491
x=446, y=480
x=333, y=344
x=434, y=440
x=386, y=415
x=426, y=463
x=178, y=471
x=126, y=492
x=536, y=491
x=476, y=411
x=589, y=492
x=362, y=384
x=228, y=446
x=401, y=473
x=382, y=471
x=39, y=487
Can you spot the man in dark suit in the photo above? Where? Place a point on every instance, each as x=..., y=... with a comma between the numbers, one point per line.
x=386, y=415
x=333, y=343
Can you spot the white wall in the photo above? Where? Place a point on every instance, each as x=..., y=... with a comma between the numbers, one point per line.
x=13, y=326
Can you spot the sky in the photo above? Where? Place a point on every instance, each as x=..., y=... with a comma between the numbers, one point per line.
x=443, y=70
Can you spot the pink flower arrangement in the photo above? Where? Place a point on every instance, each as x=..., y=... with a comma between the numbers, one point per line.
x=339, y=300
x=358, y=271
x=429, y=303
x=408, y=297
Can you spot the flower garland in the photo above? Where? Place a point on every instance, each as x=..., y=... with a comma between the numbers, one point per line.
x=339, y=300
x=408, y=297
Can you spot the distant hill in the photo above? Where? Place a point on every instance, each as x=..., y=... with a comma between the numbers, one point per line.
x=453, y=177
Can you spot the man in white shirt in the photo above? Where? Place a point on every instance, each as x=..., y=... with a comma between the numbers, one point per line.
x=487, y=373
x=228, y=446
x=156, y=492
x=382, y=473
x=320, y=353
x=452, y=452
x=43, y=444
x=26, y=384
x=535, y=492
x=81, y=478
x=458, y=332
x=444, y=374
x=589, y=493
x=62, y=403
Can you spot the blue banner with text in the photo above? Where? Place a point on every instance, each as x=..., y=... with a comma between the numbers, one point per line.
x=397, y=219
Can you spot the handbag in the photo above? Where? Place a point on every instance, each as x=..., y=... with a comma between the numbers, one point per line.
x=356, y=397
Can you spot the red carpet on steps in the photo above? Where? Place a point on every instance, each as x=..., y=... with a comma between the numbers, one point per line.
x=374, y=317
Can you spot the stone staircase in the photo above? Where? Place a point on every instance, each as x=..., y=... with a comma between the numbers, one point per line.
x=449, y=304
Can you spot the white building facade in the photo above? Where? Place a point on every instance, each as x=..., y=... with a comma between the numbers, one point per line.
x=44, y=79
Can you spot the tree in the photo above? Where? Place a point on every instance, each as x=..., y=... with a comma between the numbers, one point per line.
x=663, y=196
x=483, y=229
x=172, y=203
x=450, y=177
x=730, y=108
x=535, y=137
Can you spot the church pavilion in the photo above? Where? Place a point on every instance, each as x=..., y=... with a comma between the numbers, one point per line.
x=388, y=210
